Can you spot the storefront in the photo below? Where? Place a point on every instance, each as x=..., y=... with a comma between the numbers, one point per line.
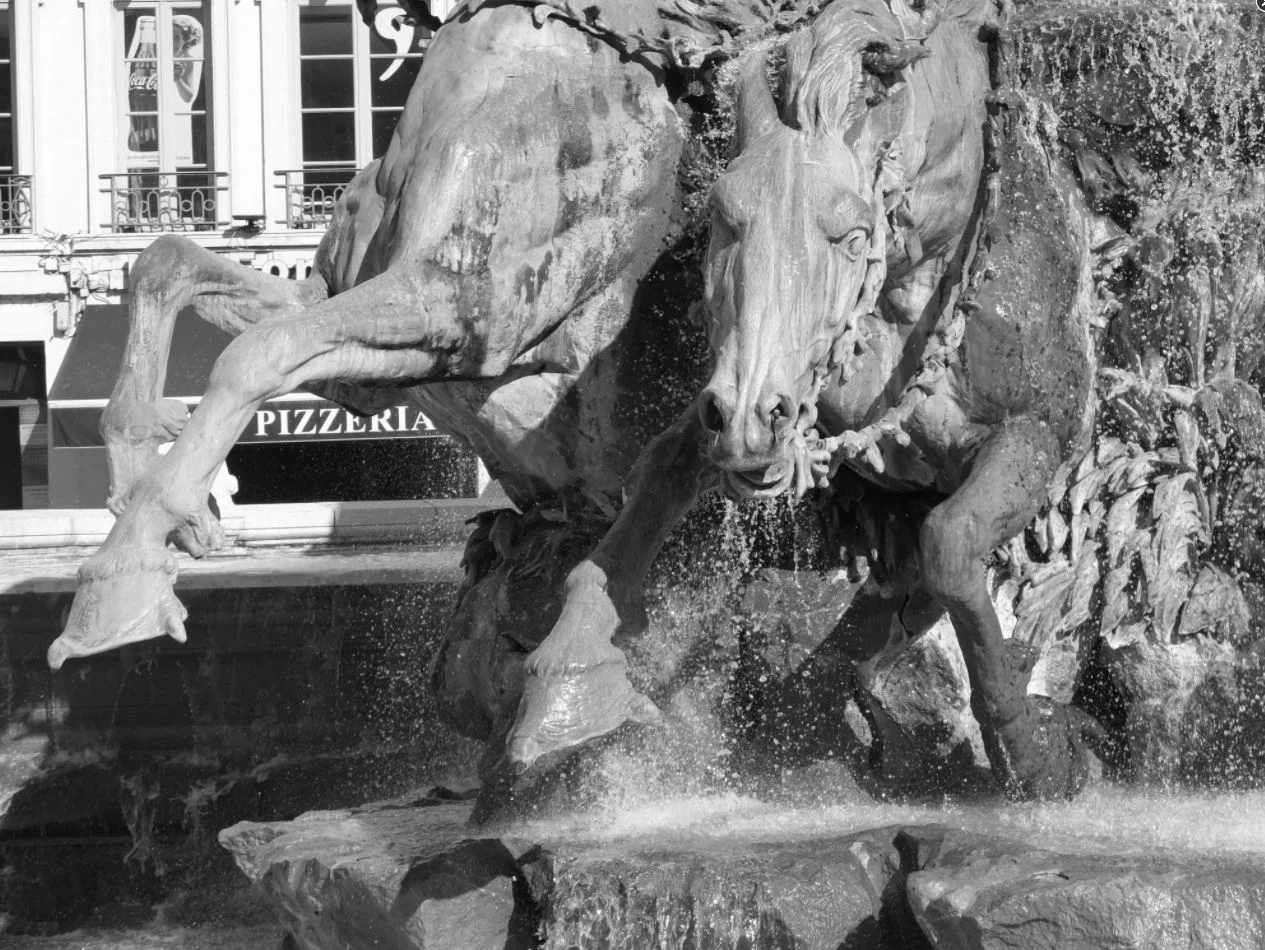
x=235, y=123
x=298, y=448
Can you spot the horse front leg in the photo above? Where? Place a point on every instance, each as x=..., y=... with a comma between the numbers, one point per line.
x=169, y=275
x=381, y=332
x=1034, y=752
x=577, y=685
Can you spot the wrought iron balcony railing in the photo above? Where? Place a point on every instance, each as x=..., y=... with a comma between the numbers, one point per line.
x=142, y=201
x=15, y=204
x=311, y=194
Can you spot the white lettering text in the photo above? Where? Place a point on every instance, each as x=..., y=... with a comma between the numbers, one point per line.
x=381, y=422
x=329, y=416
x=305, y=416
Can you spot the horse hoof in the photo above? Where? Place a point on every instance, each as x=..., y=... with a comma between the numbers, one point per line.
x=561, y=711
x=1050, y=761
x=122, y=598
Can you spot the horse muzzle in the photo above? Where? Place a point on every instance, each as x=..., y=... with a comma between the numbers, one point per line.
x=767, y=482
x=753, y=443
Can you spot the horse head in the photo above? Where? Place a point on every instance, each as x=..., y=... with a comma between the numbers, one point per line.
x=798, y=244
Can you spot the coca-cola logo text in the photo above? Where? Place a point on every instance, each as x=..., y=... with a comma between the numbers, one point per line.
x=142, y=82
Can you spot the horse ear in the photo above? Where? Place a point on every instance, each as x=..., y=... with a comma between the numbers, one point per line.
x=799, y=54
x=873, y=134
x=420, y=12
x=757, y=112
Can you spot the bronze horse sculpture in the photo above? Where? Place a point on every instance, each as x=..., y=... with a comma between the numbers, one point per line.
x=480, y=267
x=802, y=344
x=487, y=264
x=839, y=280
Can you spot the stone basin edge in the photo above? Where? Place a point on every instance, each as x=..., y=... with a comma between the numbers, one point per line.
x=411, y=875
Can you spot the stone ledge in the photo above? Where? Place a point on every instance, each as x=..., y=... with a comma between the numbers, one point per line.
x=308, y=545
x=976, y=892
x=358, y=565
x=405, y=875
x=427, y=522
x=409, y=874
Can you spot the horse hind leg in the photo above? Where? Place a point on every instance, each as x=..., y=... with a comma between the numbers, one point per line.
x=378, y=332
x=1034, y=752
x=170, y=274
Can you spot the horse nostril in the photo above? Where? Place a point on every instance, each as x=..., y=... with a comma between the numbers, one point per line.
x=710, y=412
x=782, y=413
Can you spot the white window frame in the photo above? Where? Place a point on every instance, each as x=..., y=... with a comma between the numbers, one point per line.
x=164, y=10
x=17, y=168
x=23, y=91
x=16, y=183
x=362, y=79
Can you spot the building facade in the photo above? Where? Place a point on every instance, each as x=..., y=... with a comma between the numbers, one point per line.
x=235, y=123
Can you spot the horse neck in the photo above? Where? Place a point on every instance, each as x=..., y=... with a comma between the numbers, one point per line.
x=877, y=383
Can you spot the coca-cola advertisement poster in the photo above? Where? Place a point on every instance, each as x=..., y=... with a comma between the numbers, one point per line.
x=160, y=124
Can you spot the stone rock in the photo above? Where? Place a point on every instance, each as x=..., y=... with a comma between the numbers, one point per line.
x=805, y=606
x=1057, y=670
x=823, y=893
x=379, y=877
x=398, y=876
x=1178, y=698
x=976, y=893
x=919, y=702
x=407, y=875
x=827, y=668
x=794, y=679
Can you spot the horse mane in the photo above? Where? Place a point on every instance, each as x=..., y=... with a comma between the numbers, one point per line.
x=825, y=84
x=832, y=69
x=686, y=34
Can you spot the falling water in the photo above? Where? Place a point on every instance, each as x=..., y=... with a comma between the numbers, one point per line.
x=1194, y=75
x=1187, y=80
x=1174, y=98
x=677, y=872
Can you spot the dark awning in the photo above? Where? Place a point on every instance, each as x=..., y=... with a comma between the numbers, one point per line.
x=88, y=372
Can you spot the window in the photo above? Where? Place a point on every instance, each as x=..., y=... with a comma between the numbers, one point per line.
x=15, y=189
x=6, y=92
x=167, y=182
x=353, y=83
x=164, y=113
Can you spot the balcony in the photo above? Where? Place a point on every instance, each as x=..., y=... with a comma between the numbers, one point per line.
x=311, y=194
x=15, y=204
x=151, y=201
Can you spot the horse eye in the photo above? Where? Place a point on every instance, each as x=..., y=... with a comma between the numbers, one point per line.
x=852, y=244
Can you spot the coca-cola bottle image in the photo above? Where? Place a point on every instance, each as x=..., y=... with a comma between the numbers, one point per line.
x=142, y=93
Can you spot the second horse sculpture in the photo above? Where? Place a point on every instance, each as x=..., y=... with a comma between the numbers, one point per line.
x=892, y=282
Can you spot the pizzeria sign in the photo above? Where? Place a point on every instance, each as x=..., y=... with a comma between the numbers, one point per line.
x=319, y=420
x=91, y=366
x=289, y=419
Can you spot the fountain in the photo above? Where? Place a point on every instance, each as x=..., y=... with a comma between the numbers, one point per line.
x=790, y=748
